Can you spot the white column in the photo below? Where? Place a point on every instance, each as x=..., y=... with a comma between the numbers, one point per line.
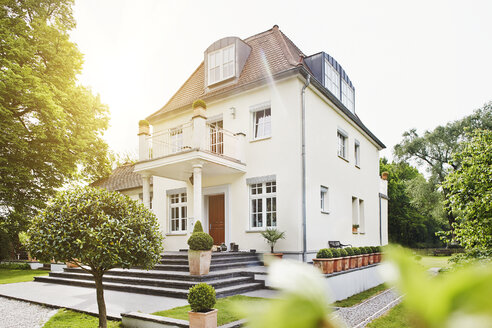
x=199, y=122
x=143, y=144
x=197, y=192
x=240, y=146
x=146, y=189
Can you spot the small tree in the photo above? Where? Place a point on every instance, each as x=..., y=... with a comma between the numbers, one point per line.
x=97, y=230
x=272, y=236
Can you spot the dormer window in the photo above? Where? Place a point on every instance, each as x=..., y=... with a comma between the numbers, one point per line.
x=332, y=79
x=348, y=96
x=221, y=64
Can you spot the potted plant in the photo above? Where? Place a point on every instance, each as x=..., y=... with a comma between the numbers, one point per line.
x=200, y=252
x=352, y=258
x=345, y=259
x=271, y=237
x=337, y=265
x=324, y=260
x=357, y=253
x=371, y=254
x=202, y=300
x=355, y=228
x=365, y=256
x=377, y=257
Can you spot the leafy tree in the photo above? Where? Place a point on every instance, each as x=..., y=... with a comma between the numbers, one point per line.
x=51, y=126
x=97, y=230
x=470, y=192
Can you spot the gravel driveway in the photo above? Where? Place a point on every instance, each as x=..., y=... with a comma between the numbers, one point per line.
x=18, y=314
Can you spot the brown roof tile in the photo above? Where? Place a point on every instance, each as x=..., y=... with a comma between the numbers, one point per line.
x=121, y=178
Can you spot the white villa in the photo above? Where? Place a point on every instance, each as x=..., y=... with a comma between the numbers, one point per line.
x=279, y=145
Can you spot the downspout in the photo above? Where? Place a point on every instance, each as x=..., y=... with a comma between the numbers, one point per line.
x=380, y=223
x=303, y=156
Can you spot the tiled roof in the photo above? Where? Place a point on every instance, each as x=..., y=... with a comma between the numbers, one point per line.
x=271, y=52
x=121, y=178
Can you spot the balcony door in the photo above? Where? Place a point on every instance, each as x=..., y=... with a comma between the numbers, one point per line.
x=216, y=218
x=217, y=137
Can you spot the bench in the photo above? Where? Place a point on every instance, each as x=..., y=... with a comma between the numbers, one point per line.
x=445, y=251
x=336, y=244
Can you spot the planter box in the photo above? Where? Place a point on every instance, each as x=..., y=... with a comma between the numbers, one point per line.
x=377, y=257
x=337, y=266
x=353, y=262
x=371, y=258
x=365, y=259
x=203, y=319
x=269, y=257
x=199, y=262
x=325, y=265
x=345, y=263
x=359, y=261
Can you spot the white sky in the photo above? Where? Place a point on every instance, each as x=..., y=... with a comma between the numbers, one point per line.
x=414, y=64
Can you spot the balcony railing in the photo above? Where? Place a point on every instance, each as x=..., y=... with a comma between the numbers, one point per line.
x=212, y=139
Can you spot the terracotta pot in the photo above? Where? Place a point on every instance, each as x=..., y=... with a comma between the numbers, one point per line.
x=325, y=265
x=203, y=319
x=269, y=257
x=371, y=258
x=199, y=262
x=378, y=257
x=345, y=263
x=337, y=266
x=365, y=259
x=353, y=262
x=359, y=261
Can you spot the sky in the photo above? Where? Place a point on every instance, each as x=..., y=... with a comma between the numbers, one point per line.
x=414, y=64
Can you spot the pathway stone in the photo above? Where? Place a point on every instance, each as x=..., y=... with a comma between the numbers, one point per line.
x=17, y=314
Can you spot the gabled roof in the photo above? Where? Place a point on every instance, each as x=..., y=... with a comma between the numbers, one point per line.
x=122, y=178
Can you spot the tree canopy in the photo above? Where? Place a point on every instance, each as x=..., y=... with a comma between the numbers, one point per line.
x=51, y=126
x=97, y=230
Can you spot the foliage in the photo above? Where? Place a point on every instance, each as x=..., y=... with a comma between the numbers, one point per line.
x=358, y=298
x=66, y=318
x=374, y=249
x=199, y=103
x=355, y=226
x=470, y=192
x=5, y=244
x=201, y=297
x=356, y=250
x=272, y=236
x=143, y=123
x=51, y=127
x=198, y=227
x=225, y=307
x=350, y=251
x=324, y=253
x=397, y=317
x=99, y=229
x=343, y=252
x=200, y=241
x=471, y=256
x=15, y=266
x=411, y=220
x=335, y=252
x=9, y=276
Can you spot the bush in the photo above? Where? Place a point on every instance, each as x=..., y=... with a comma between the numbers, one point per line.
x=350, y=251
x=356, y=250
x=143, y=123
x=200, y=241
x=367, y=250
x=335, y=252
x=324, y=253
x=343, y=252
x=201, y=297
x=198, y=227
x=199, y=103
x=15, y=266
x=374, y=249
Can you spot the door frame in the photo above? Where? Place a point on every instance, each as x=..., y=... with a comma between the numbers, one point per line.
x=217, y=190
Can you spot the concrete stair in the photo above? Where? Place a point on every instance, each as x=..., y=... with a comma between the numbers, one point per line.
x=170, y=277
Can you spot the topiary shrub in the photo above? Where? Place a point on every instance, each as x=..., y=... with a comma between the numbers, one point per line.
x=343, y=252
x=199, y=103
x=374, y=249
x=200, y=241
x=356, y=250
x=201, y=297
x=349, y=251
x=335, y=252
x=324, y=253
x=198, y=227
x=143, y=123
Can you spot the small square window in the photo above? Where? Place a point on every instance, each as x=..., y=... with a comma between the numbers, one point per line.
x=357, y=153
x=324, y=199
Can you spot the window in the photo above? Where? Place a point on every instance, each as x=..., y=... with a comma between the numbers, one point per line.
x=358, y=215
x=176, y=140
x=221, y=64
x=362, y=219
x=357, y=153
x=332, y=79
x=263, y=200
x=216, y=137
x=347, y=96
x=262, y=123
x=178, y=212
x=324, y=199
x=342, y=144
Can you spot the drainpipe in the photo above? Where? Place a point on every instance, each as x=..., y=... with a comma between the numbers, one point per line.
x=303, y=156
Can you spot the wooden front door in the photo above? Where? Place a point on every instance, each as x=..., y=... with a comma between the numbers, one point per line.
x=216, y=218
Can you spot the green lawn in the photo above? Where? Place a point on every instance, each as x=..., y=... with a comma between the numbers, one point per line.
x=434, y=261
x=8, y=276
x=225, y=314
x=394, y=318
x=357, y=298
x=70, y=319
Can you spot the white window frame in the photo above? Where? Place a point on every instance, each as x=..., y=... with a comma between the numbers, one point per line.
x=180, y=204
x=219, y=56
x=332, y=79
x=260, y=193
x=261, y=129
x=348, y=96
x=176, y=138
x=357, y=153
x=342, y=141
x=325, y=200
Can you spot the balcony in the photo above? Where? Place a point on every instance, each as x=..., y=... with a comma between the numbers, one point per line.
x=172, y=153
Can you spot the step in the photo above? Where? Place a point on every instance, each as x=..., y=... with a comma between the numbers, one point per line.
x=184, y=255
x=215, y=259
x=213, y=266
x=179, y=284
x=150, y=290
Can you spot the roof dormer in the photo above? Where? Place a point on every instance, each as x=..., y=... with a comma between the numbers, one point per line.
x=224, y=61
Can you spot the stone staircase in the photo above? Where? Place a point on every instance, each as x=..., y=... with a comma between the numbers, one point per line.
x=171, y=276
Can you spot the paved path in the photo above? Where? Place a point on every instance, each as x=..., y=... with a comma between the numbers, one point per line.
x=360, y=315
x=17, y=314
x=84, y=299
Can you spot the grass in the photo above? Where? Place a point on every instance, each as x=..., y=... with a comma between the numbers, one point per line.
x=434, y=261
x=397, y=317
x=358, y=298
x=70, y=319
x=9, y=276
x=224, y=305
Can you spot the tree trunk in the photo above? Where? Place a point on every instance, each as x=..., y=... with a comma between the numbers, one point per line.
x=271, y=248
x=100, y=300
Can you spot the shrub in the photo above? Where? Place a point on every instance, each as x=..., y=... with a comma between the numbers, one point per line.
x=324, y=253
x=201, y=297
x=198, y=227
x=356, y=250
x=199, y=103
x=200, y=241
x=343, y=252
x=143, y=123
x=350, y=251
x=374, y=249
x=15, y=266
x=367, y=250
x=335, y=252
